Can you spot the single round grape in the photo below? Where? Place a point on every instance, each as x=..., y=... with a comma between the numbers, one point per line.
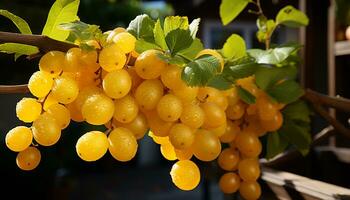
x=274, y=124
x=214, y=115
x=85, y=93
x=126, y=109
x=185, y=175
x=209, y=94
x=181, y=136
x=158, y=126
x=159, y=140
x=19, y=138
x=214, y=53
x=89, y=57
x=184, y=154
x=232, y=96
x=231, y=132
x=61, y=114
x=186, y=94
x=171, y=77
x=40, y=84
x=98, y=109
x=148, y=65
x=250, y=190
x=49, y=100
x=249, y=169
x=125, y=41
x=28, y=159
x=228, y=159
x=122, y=144
x=248, y=144
x=46, y=130
x=75, y=112
x=219, y=131
x=229, y=183
x=206, y=145
x=248, y=84
x=148, y=94
x=169, y=108
x=192, y=115
x=92, y=146
x=168, y=152
x=65, y=89
x=117, y=84
x=52, y=63
x=138, y=126
x=28, y=109
x=114, y=32
x=112, y=58
x=236, y=111
x=73, y=60
x=85, y=78
x=266, y=109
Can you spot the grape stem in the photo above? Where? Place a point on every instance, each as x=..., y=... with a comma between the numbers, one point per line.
x=14, y=89
x=44, y=43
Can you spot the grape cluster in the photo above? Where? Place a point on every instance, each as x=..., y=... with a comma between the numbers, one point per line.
x=132, y=93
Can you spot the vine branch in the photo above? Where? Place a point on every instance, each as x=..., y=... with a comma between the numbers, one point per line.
x=14, y=89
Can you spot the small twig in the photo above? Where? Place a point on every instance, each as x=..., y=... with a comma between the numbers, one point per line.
x=12, y=89
x=44, y=43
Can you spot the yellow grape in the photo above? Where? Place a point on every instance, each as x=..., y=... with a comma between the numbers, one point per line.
x=122, y=144
x=231, y=131
x=135, y=79
x=206, y=145
x=214, y=115
x=75, y=112
x=72, y=60
x=266, y=109
x=250, y=190
x=28, y=109
x=125, y=41
x=40, y=84
x=65, y=89
x=148, y=94
x=86, y=78
x=89, y=57
x=248, y=84
x=61, y=114
x=248, y=144
x=219, y=131
x=157, y=125
x=148, y=65
x=92, y=146
x=168, y=152
x=181, y=136
x=49, y=100
x=228, y=159
x=214, y=53
x=236, y=111
x=52, y=63
x=254, y=125
x=98, y=109
x=232, y=96
x=192, y=115
x=171, y=77
x=28, y=159
x=138, y=126
x=158, y=139
x=114, y=32
x=126, y=109
x=185, y=175
x=19, y=138
x=46, y=130
x=112, y=58
x=249, y=169
x=209, y=94
x=186, y=94
x=117, y=84
x=85, y=93
x=184, y=154
x=229, y=183
x=274, y=124
x=169, y=108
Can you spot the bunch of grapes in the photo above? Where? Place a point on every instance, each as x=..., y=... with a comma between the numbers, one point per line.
x=133, y=94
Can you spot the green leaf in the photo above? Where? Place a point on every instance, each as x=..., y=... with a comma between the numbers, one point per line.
x=266, y=27
x=219, y=82
x=21, y=49
x=276, y=144
x=194, y=27
x=178, y=40
x=62, y=11
x=292, y=17
x=142, y=28
x=20, y=23
x=191, y=52
x=141, y=46
x=286, y=92
x=230, y=9
x=266, y=77
x=80, y=30
x=240, y=69
x=200, y=71
x=296, y=135
x=176, y=60
x=234, y=47
x=272, y=56
x=175, y=22
x=298, y=111
x=246, y=96
x=159, y=36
